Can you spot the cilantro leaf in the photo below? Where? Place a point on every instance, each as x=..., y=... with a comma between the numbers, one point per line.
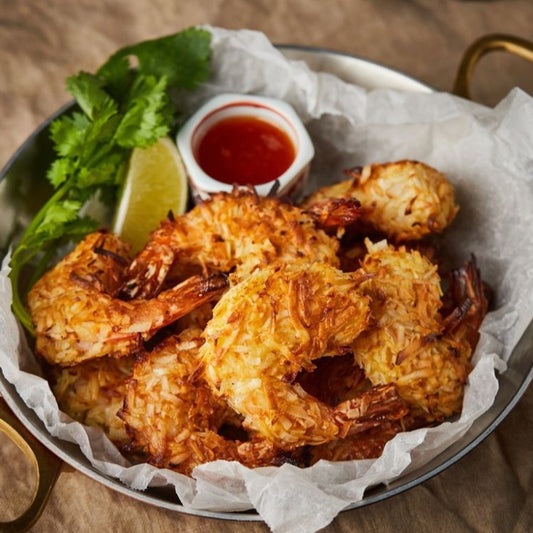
x=67, y=133
x=57, y=217
x=183, y=58
x=145, y=120
x=88, y=91
x=59, y=171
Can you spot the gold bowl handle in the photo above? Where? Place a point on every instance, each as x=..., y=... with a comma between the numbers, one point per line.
x=480, y=47
x=46, y=465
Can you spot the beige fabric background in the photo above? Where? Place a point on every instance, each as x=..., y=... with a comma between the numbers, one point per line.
x=43, y=41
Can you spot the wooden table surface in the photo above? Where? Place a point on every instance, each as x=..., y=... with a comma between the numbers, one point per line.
x=42, y=42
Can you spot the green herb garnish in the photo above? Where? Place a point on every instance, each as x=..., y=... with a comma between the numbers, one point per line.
x=120, y=107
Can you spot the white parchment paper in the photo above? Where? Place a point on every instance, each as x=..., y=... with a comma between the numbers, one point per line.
x=486, y=153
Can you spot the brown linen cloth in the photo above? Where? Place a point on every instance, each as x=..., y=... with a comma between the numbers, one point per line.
x=41, y=43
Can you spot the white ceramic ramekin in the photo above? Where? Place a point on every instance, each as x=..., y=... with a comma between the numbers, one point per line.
x=276, y=112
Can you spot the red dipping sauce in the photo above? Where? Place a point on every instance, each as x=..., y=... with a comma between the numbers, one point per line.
x=245, y=150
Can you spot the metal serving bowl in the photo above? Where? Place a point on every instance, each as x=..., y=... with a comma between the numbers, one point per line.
x=23, y=190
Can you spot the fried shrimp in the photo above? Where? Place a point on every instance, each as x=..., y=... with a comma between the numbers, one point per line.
x=93, y=392
x=269, y=327
x=411, y=344
x=338, y=379
x=231, y=231
x=405, y=200
x=250, y=329
x=172, y=416
x=77, y=317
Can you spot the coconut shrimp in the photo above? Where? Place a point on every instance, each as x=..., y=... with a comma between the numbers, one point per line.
x=405, y=200
x=93, y=392
x=411, y=344
x=338, y=379
x=269, y=327
x=174, y=419
x=77, y=318
x=238, y=231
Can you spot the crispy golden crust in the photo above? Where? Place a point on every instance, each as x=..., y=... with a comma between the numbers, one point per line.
x=77, y=317
x=169, y=414
x=281, y=355
x=173, y=417
x=409, y=344
x=269, y=327
x=405, y=200
x=238, y=232
x=93, y=392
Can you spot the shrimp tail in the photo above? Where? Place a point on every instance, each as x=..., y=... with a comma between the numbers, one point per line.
x=146, y=276
x=335, y=213
x=370, y=409
x=466, y=302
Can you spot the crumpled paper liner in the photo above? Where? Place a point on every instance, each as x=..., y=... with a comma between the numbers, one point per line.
x=488, y=156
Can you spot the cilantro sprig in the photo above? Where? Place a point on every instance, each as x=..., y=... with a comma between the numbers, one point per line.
x=120, y=107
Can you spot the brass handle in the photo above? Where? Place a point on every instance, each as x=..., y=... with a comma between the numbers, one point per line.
x=482, y=46
x=47, y=467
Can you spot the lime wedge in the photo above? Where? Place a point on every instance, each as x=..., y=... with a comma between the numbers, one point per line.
x=155, y=183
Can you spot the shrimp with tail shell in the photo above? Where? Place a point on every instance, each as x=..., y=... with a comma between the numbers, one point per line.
x=269, y=327
x=78, y=317
x=235, y=232
x=403, y=200
x=410, y=343
x=173, y=418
